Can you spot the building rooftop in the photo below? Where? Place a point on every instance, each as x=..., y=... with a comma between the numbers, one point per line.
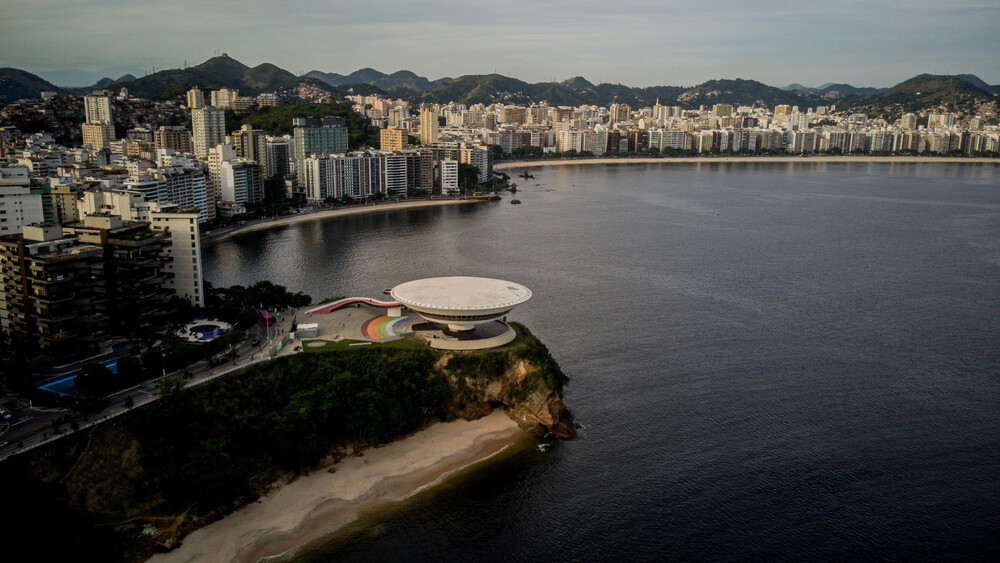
x=461, y=293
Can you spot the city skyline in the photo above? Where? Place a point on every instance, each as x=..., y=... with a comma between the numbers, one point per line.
x=642, y=44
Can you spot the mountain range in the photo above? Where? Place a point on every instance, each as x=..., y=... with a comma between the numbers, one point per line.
x=224, y=71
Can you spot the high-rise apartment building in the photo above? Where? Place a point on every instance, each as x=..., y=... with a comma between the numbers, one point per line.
x=185, y=252
x=242, y=181
x=97, y=106
x=618, y=113
x=722, y=110
x=51, y=291
x=216, y=156
x=181, y=257
x=318, y=136
x=278, y=155
x=208, y=129
x=98, y=135
x=392, y=138
x=195, y=98
x=172, y=137
x=251, y=144
x=18, y=207
x=428, y=126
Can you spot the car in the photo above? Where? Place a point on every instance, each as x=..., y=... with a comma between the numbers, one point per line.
x=297, y=349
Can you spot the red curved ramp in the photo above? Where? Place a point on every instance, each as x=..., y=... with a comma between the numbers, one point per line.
x=329, y=307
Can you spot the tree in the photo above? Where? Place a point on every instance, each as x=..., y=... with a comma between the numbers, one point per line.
x=130, y=369
x=89, y=403
x=468, y=176
x=95, y=377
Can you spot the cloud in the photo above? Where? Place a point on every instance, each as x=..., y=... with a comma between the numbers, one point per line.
x=639, y=42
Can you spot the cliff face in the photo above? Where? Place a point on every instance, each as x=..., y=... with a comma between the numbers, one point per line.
x=525, y=379
x=532, y=404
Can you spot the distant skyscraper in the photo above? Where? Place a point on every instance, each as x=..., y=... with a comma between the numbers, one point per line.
x=318, y=136
x=97, y=106
x=208, y=128
x=428, y=126
x=195, y=98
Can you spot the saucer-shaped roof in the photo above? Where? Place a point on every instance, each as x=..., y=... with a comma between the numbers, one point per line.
x=460, y=294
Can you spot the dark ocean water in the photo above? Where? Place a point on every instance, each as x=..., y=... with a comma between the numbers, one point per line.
x=771, y=361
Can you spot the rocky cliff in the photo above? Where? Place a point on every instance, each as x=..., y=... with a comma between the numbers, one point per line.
x=523, y=379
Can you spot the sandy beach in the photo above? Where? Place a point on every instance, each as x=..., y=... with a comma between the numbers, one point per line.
x=743, y=159
x=340, y=212
x=319, y=503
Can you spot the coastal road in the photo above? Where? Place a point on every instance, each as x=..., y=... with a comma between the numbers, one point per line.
x=34, y=426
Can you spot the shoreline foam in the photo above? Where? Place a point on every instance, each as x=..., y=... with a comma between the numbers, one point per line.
x=321, y=502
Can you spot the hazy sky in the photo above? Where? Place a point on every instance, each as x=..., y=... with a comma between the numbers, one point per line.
x=639, y=43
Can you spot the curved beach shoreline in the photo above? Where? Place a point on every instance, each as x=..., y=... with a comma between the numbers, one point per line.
x=322, y=502
x=744, y=159
x=222, y=234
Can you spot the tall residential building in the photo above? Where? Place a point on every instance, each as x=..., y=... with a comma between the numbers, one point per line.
x=224, y=98
x=251, y=144
x=428, y=126
x=51, y=291
x=722, y=110
x=318, y=136
x=97, y=106
x=208, y=129
x=18, y=207
x=132, y=270
x=172, y=137
x=216, y=156
x=184, y=250
x=242, y=181
x=181, y=257
x=195, y=98
x=618, y=113
x=98, y=135
x=392, y=138
x=278, y=155
x=449, y=176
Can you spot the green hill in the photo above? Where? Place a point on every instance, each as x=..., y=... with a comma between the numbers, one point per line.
x=16, y=84
x=920, y=92
x=217, y=72
x=744, y=92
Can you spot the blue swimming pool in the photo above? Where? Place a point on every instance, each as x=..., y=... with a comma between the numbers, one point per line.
x=65, y=384
x=207, y=332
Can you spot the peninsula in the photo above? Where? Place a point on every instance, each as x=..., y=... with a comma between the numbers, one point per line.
x=140, y=484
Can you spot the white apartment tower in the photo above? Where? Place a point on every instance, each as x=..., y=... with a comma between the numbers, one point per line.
x=97, y=106
x=185, y=251
x=208, y=129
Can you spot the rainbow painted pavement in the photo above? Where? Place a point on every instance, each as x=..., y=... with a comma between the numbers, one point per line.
x=382, y=327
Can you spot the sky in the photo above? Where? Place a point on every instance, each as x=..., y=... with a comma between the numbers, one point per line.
x=637, y=43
